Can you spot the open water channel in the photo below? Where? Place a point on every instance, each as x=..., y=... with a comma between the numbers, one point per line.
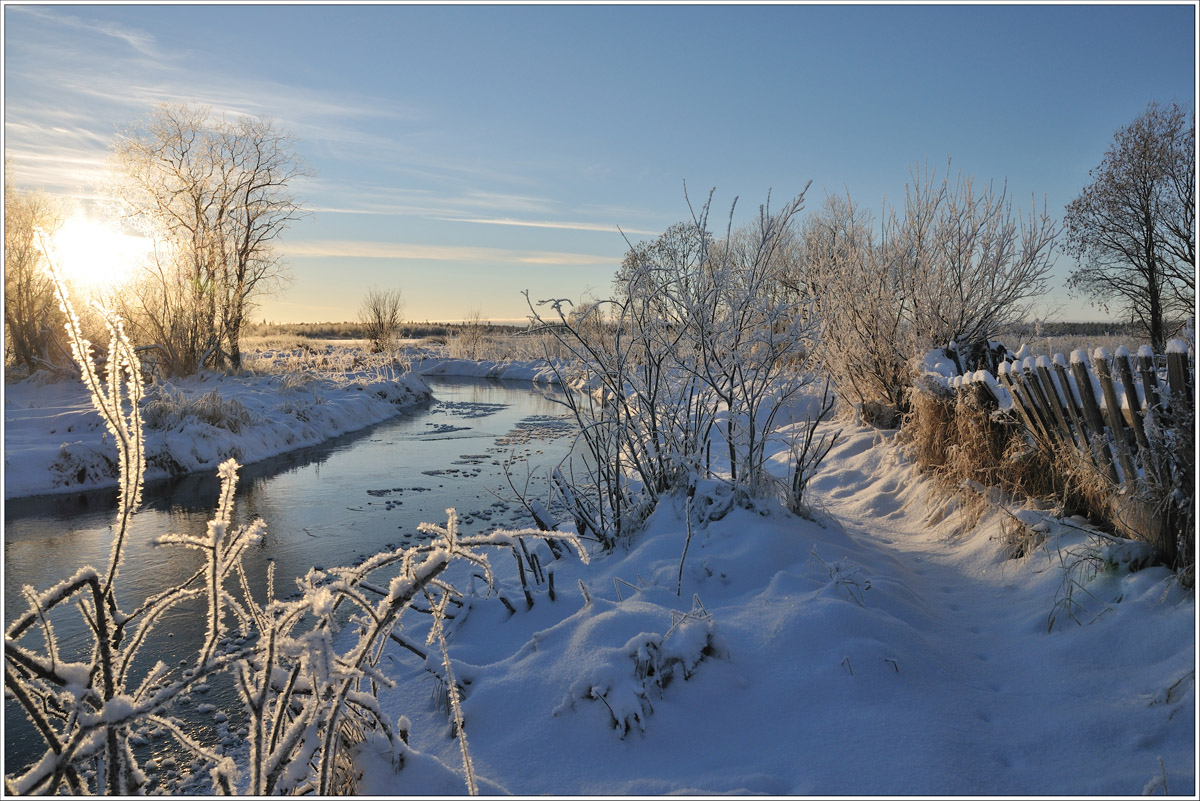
x=327, y=505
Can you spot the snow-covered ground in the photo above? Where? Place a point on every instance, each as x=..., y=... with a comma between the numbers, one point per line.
x=874, y=651
x=889, y=646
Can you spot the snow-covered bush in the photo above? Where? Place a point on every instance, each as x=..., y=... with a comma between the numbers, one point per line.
x=699, y=347
x=168, y=409
x=305, y=668
x=627, y=679
x=955, y=265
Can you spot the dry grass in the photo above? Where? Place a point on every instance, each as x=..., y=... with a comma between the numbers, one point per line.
x=960, y=440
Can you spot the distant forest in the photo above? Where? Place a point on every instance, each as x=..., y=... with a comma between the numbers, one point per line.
x=353, y=330
x=1081, y=329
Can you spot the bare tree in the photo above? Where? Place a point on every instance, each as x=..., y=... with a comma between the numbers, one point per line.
x=1133, y=229
x=954, y=265
x=470, y=339
x=32, y=320
x=380, y=317
x=860, y=297
x=969, y=266
x=698, y=347
x=217, y=193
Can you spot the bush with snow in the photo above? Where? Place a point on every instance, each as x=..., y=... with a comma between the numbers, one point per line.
x=697, y=351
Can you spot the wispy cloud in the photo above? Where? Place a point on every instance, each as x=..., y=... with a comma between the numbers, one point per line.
x=136, y=39
x=442, y=203
x=567, y=226
x=350, y=249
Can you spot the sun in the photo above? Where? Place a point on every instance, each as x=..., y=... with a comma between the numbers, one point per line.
x=94, y=255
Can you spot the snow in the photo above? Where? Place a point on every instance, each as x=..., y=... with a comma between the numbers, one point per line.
x=887, y=646
x=1177, y=346
x=937, y=363
x=55, y=442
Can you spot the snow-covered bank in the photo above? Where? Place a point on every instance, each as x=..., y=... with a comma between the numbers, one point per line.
x=891, y=648
x=536, y=371
x=54, y=441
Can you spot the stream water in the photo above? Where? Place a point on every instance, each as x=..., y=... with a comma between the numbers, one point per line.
x=327, y=505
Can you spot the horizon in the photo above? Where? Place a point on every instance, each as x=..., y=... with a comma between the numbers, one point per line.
x=463, y=154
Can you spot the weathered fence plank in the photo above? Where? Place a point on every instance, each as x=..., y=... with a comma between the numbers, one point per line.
x=1178, y=378
x=1091, y=414
x=1149, y=377
x=1050, y=391
x=1116, y=421
x=1020, y=402
x=1074, y=411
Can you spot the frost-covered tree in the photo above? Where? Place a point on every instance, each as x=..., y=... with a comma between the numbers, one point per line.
x=968, y=264
x=861, y=296
x=469, y=341
x=380, y=315
x=216, y=194
x=697, y=350
x=954, y=264
x=1133, y=228
x=32, y=321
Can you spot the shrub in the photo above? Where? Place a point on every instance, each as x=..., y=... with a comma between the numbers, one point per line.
x=697, y=348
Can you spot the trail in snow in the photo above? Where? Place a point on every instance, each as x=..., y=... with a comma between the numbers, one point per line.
x=870, y=653
x=1013, y=701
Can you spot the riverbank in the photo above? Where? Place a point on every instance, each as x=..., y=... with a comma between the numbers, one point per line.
x=55, y=442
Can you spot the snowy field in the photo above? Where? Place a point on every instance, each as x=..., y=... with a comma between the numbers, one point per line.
x=889, y=646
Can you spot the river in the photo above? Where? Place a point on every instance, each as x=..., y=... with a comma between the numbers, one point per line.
x=331, y=504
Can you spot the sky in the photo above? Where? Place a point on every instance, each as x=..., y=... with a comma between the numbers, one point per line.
x=465, y=154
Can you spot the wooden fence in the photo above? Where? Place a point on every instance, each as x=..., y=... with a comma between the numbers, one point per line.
x=1134, y=421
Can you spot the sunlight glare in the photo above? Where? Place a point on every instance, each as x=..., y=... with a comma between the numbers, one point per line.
x=95, y=255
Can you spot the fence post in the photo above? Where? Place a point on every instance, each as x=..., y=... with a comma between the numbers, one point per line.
x=1091, y=413
x=1147, y=455
x=1149, y=377
x=1116, y=421
x=1042, y=365
x=1072, y=405
x=1020, y=402
x=1177, y=373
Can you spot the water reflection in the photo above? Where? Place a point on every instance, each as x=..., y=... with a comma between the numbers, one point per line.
x=326, y=505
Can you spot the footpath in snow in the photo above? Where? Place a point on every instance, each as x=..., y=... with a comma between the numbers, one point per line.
x=875, y=652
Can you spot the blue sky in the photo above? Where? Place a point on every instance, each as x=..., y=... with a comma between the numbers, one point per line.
x=466, y=153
